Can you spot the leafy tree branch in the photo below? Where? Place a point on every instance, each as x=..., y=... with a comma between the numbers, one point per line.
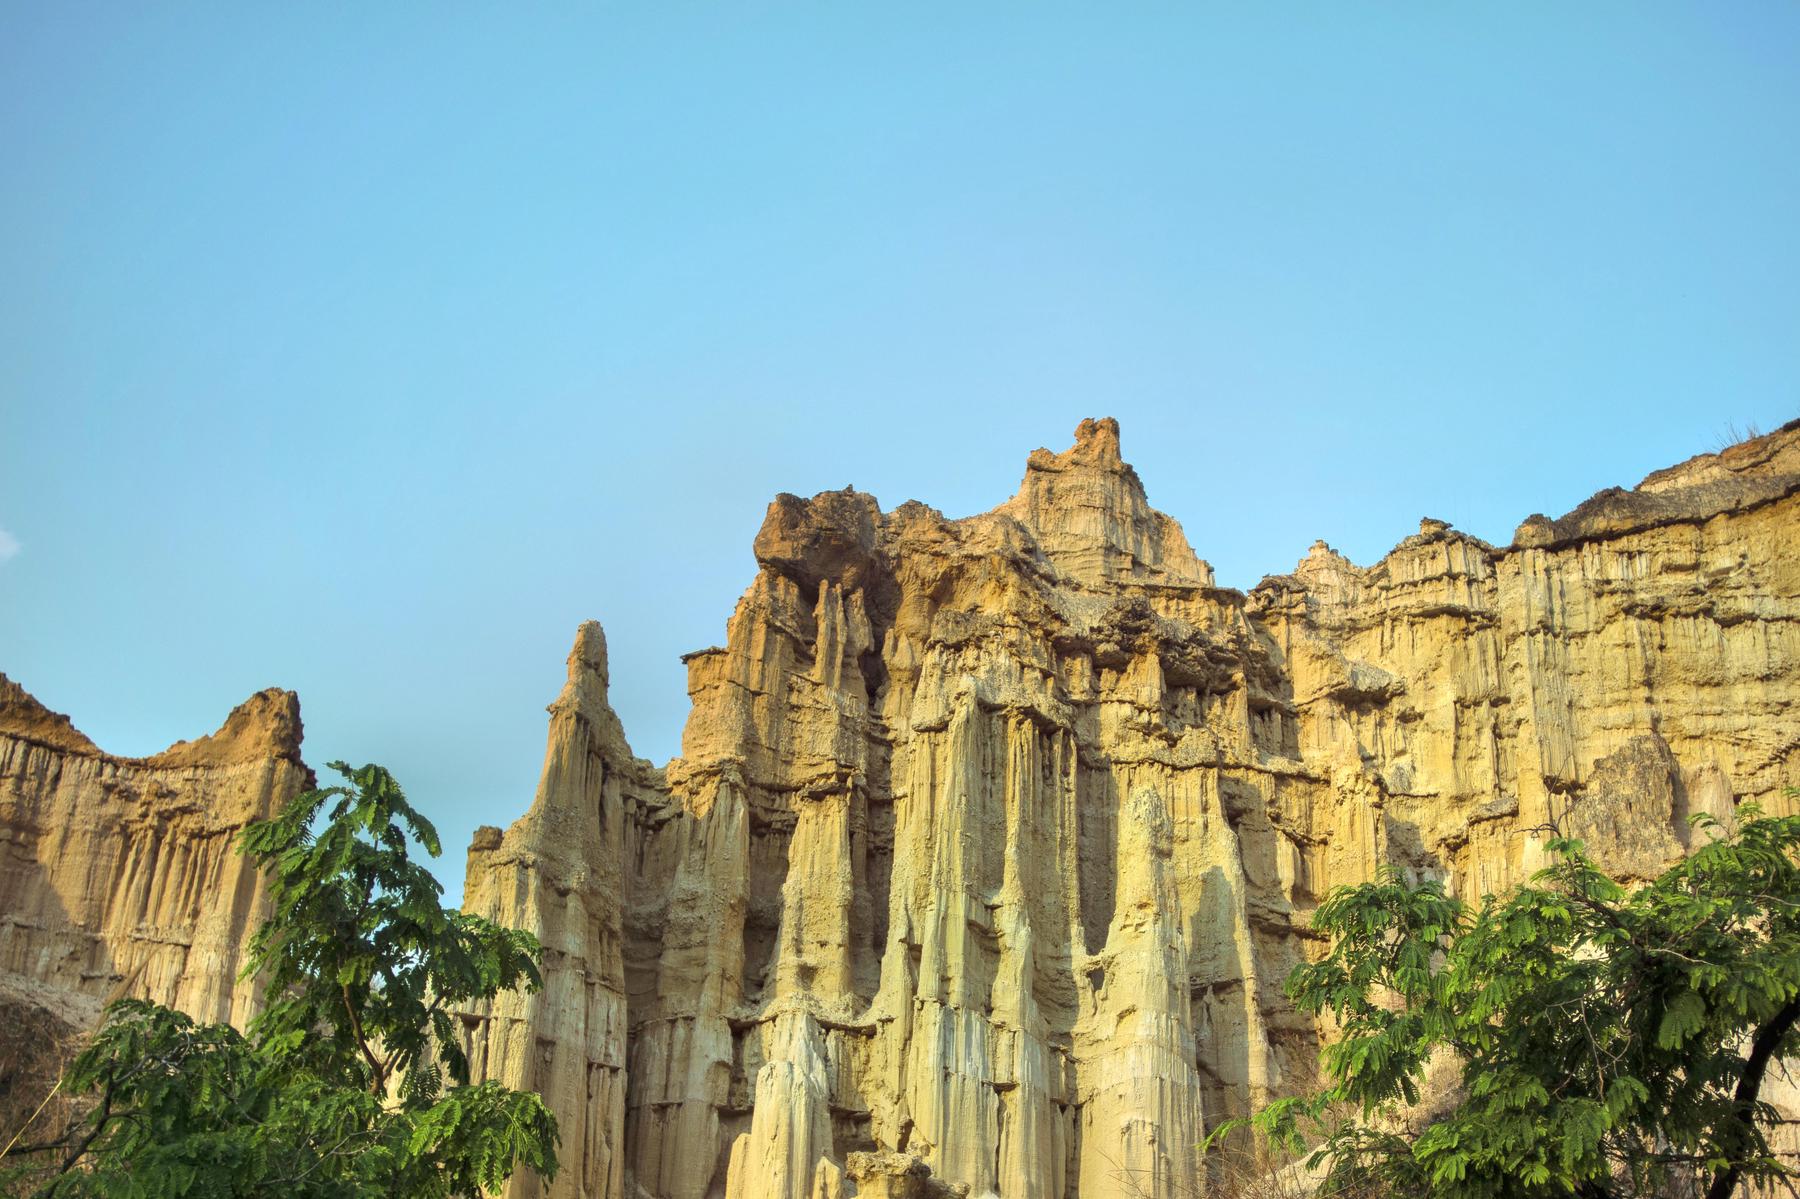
x=1603, y=1042
x=351, y=1081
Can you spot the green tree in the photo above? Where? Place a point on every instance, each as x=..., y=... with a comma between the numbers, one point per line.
x=1611, y=1042
x=351, y=1082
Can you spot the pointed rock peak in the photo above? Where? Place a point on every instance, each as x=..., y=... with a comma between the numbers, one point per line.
x=584, y=693
x=584, y=698
x=1087, y=510
x=267, y=725
x=1327, y=576
x=588, y=657
x=1096, y=448
x=22, y=716
x=1098, y=439
x=1321, y=559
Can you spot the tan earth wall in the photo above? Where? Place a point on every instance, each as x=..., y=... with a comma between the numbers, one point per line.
x=992, y=840
x=121, y=876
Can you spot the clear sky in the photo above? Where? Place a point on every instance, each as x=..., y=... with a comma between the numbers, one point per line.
x=366, y=349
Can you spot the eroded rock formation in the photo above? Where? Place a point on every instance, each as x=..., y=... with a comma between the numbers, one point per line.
x=121, y=875
x=992, y=840
x=559, y=872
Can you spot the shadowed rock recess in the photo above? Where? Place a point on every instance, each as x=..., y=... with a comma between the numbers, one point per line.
x=992, y=840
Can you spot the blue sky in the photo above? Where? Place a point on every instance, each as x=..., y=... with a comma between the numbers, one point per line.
x=366, y=349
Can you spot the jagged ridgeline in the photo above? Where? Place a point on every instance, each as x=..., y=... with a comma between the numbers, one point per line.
x=992, y=840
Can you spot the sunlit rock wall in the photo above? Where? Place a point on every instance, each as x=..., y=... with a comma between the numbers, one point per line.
x=992, y=840
x=558, y=872
x=121, y=876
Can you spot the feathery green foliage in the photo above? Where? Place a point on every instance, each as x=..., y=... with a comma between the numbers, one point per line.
x=1610, y=1042
x=339, y=1089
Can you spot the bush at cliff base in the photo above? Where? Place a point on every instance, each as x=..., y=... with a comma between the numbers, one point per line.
x=1611, y=1042
x=352, y=1081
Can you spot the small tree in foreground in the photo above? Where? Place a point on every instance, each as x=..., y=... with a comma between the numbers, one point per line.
x=351, y=1082
x=1611, y=1042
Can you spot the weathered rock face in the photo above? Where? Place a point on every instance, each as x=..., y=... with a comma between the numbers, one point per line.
x=992, y=840
x=121, y=875
x=559, y=872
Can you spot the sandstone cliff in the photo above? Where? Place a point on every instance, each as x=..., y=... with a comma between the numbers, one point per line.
x=992, y=840
x=559, y=872
x=121, y=875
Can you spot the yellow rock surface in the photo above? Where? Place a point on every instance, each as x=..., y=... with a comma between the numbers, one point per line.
x=992, y=840
x=121, y=875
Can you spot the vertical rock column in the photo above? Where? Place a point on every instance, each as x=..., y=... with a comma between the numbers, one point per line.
x=1140, y=1093
x=681, y=1039
x=949, y=1060
x=557, y=873
x=1032, y=1150
x=779, y=1158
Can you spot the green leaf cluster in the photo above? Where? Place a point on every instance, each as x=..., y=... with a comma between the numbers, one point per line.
x=1605, y=1041
x=352, y=1081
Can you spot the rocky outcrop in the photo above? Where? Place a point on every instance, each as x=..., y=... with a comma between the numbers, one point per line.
x=122, y=875
x=558, y=872
x=1619, y=669
x=992, y=840
x=973, y=789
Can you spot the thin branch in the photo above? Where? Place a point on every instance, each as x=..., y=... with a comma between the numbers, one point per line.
x=356, y=1029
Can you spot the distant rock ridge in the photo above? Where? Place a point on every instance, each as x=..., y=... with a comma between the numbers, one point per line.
x=1737, y=479
x=992, y=840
